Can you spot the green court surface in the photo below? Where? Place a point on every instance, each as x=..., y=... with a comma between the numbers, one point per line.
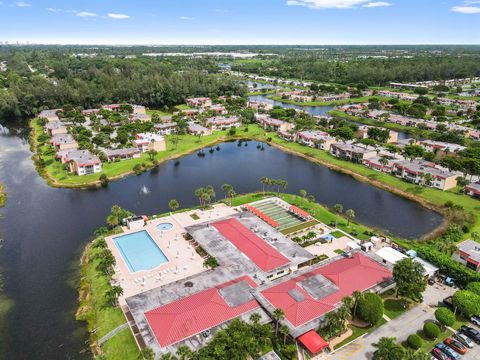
x=279, y=214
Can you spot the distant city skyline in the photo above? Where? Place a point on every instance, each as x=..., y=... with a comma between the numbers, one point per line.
x=241, y=22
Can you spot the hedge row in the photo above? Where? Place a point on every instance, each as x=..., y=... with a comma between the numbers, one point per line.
x=447, y=265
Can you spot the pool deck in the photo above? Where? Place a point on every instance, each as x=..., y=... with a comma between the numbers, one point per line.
x=183, y=262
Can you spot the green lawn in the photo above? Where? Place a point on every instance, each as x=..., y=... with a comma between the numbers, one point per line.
x=357, y=332
x=188, y=143
x=337, y=234
x=393, y=308
x=98, y=315
x=388, y=182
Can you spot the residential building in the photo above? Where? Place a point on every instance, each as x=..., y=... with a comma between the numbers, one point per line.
x=318, y=139
x=82, y=162
x=473, y=189
x=468, y=254
x=222, y=123
x=218, y=109
x=198, y=130
x=416, y=171
x=50, y=115
x=64, y=142
x=286, y=135
x=55, y=128
x=379, y=163
x=166, y=128
x=362, y=133
x=200, y=102
x=267, y=122
x=440, y=148
x=149, y=141
x=352, y=152
x=260, y=106
x=122, y=154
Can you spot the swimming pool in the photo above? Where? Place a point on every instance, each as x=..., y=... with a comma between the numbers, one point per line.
x=164, y=226
x=139, y=251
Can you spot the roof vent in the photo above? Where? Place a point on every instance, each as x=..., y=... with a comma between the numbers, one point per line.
x=188, y=284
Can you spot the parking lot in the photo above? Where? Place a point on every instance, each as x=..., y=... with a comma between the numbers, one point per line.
x=473, y=353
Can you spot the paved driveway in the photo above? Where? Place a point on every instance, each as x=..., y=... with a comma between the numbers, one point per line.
x=404, y=325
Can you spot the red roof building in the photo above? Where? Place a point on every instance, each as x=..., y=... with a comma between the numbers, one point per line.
x=300, y=212
x=264, y=255
x=313, y=294
x=313, y=342
x=189, y=316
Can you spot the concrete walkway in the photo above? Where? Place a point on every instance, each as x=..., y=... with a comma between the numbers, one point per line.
x=112, y=333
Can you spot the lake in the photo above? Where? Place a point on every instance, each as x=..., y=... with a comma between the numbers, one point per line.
x=45, y=229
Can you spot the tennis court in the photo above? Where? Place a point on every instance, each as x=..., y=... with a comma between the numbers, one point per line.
x=278, y=213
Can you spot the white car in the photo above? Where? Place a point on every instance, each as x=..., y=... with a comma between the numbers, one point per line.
x=475, y=320
x=464, y=339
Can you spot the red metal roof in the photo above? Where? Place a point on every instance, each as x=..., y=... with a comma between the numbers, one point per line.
x=264, y=255
x=313, y=342
x=299, y=211
x=348, y=274
x=263, y=216
x=194, y=314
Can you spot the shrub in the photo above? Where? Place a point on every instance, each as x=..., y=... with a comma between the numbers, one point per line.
x=370, y=308
x=467, y=302
x=103, y=180
x=445, y=316
x=431, y=330
x=414, y=341
x=474, y=287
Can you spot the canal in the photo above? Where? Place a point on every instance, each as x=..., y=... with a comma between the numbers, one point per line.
x=312, y=110
x=45, y=229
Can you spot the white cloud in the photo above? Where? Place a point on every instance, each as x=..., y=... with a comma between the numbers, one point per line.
x=463, y=9
x=335, y=4
x=86, y=14
x=54, y=10
x=22, y=4
x=377, y=4
x=186, y=18
x=118, y=16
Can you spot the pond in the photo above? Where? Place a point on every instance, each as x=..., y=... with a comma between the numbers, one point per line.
x=45, y=229
x=312, y=110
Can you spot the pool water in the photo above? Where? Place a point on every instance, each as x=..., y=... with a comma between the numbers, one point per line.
x=139, y=251
x=164, y=226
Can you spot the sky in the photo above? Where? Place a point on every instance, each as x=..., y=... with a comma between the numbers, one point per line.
x=242, y=22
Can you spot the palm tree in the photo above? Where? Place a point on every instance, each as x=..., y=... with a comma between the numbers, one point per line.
x=284, y=331
x=226, y=188
x=173, y=204
x=264, y=181
x=231, y=194
x=199, y=194
x=383, y=161
x=284, y=185
x=348, y=302
x=427, y=179
x=112, y=294
x=147, y=354
x=278, y=315
x=350, y=213
x=338, y=210
x=167, y=356
x=151, y=154
x=356, y=296
x=184, y=352
x=303, y=194
x=210, y=192
x=255, y=318
x=311, y=198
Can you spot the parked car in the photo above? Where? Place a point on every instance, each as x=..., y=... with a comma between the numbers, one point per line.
x=455, y=345
x=464, y=339
x=475, y=320
x=449, y=351
x=448, y=302
x=472, y=333
x=439, y=354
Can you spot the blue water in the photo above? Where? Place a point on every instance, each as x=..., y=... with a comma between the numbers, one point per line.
x=164, y=226
x=139, y=251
